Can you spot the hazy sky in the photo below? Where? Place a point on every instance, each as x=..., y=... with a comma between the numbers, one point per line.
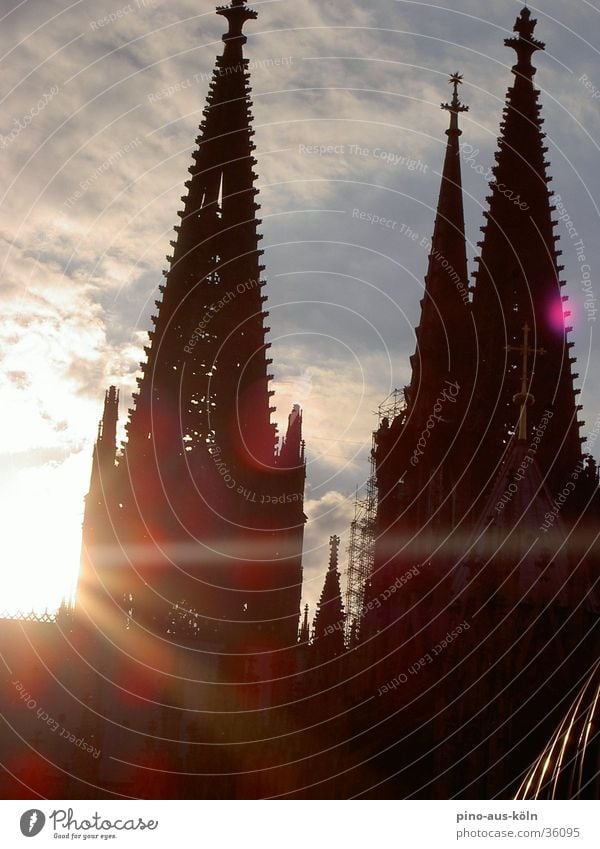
x=100, y=103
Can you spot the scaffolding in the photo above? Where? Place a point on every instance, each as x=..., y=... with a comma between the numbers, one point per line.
x=361, y=547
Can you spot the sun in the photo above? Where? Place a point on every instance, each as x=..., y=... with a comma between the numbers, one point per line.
x=42, y=507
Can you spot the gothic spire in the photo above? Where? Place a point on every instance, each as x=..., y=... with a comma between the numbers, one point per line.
x=106, y=446
x=441, y=350
x=328, y=626
x=518, y=283
x=305, y=628
x=207, y=353
x=334, y=547
x=97, y=520
x=105, y=449
x=292, y=447
x=211, y=515
x=525, y=45
x=442, y=362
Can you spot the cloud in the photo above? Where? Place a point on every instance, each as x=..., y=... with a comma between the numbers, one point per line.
x=19, y=378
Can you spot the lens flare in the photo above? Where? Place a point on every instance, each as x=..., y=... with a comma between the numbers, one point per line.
x=556, y=315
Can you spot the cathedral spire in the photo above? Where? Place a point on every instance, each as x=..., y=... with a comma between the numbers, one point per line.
x=525, y=45
x=334, y=547
x=207, y=351
x=305, y=628
x=455, y=106
x=106, y=445
x=518, y=283
x=292, y=447
x=105, y=450
x=442, y=362
x=97, y=521
x=200, y=463
x=237, y=13
x=444, y=320
x=328, y=627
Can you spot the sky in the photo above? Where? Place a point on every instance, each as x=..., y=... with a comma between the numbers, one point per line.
x=99, y=107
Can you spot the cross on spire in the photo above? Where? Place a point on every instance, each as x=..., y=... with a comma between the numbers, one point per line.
x=455, y=106
x=524, y=398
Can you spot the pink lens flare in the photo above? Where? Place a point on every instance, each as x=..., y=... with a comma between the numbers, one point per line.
x=559, y=315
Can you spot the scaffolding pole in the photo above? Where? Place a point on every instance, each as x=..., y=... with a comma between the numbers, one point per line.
x=361, y=547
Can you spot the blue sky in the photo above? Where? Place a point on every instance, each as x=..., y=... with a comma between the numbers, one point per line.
x=100, y=103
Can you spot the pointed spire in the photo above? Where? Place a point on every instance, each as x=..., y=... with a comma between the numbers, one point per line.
x=200, y=460
x=334, y=547
x=208, y=348
x=328, y=628
x=444, y=318
x=237, y=13
x=107, y=429
x=455, y=107
x=98, y=523
x=305, y=628
x=64, y=615
x=444, y=357
x=292, y=447
x=105, y=449
x=518, y=283
x=525, y=45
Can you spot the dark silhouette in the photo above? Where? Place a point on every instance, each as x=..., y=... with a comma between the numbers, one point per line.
x=184, y=671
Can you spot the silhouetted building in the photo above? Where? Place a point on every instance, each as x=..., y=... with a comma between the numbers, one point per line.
x=420, y=454
x=474, y=611
x=481, y=590
x=201, y=512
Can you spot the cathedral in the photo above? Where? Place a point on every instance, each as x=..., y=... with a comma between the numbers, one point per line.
x=461, y=659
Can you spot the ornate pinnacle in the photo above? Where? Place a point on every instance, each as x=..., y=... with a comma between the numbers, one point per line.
x=525, y=45
x=305, y=628
x=334, y=543
x=237, y=14
x=455, y=106
x=525, y=24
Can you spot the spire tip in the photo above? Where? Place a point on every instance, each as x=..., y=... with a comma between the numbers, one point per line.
x=525, y=45
x=455, y=106
x=237, y=13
